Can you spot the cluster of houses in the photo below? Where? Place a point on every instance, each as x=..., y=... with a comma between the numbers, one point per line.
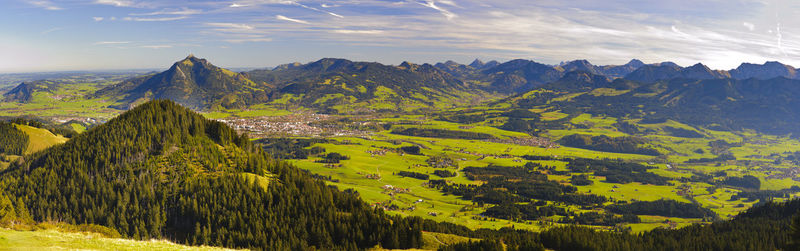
x=289, y=125
x=533, y=141
x=392, y=189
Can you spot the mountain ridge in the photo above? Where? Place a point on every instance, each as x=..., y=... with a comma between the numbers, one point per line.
x=192, y=82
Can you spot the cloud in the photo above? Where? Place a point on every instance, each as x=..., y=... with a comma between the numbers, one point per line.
x=605, y=32
x=250, y=3
x=111, y=42
x=97, y=19
x=749, y=26
x=118, y=3
x=156, y=47
x=51, y=30
x=45, y=4
x=231, y=27
x=247, y=40
x=357, y=31
x=431, y=4
x=284, y=18
x=318, y=10
x=154, y=19
x=181, y=12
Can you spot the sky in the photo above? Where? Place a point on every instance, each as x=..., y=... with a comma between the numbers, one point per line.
x=62, y=35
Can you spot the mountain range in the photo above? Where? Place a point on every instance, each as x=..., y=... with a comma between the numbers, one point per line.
x=746, y=97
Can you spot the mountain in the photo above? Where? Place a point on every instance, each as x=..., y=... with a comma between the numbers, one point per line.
x=618, y=71
x=611, y=71
x=163, y=171
x=580, y=65
x=520, y=75
x=668, y=70
x=653, y=73
x=576, y=81
x=480, y=65
x=460, y=70
x=340, y=85
x=767, y=70
x=766, y=106
x=24, y=92
x=192, y=82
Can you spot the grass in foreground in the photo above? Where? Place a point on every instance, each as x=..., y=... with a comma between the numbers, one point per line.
x=55, y=240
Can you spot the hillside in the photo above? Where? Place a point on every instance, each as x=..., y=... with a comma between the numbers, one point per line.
x=719, y=103
x=192, y=82
x=54, y=239
x=24, y=92
x=162, y=171
x=40, y=139
x=343, y=86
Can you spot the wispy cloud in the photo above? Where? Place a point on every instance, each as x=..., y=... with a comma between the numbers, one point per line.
x=315, y=9
x=718, y=33
x=51, y=30
x=118, y=3
x=45, y=4
x=357, y=31
x=230, y=27
x=156, y=46
x=154, y=19
x=749, y=26
x=249, y=3
x=432, y=4
x=248, y=40
x=181, y=12
x=111, y=42
x=284, y=18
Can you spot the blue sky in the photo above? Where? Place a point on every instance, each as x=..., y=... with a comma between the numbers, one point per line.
x=56, y=35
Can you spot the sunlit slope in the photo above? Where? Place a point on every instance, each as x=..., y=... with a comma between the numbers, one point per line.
x=57, y=240
x=40, y=139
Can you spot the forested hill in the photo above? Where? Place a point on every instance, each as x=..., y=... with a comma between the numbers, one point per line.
x=163, y=171
x=24, y=91
x=764, y=105
x=192, y=82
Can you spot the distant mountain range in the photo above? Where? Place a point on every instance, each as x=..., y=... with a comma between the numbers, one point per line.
x=338, y=84
x=747, y=96
x=696, y=96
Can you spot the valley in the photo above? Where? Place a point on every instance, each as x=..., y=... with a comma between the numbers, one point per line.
x=575, y=144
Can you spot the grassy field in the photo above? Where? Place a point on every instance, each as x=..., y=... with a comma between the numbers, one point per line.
x=40, y=138
x=758, y=151
x=56, y=240
x=67, y=100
